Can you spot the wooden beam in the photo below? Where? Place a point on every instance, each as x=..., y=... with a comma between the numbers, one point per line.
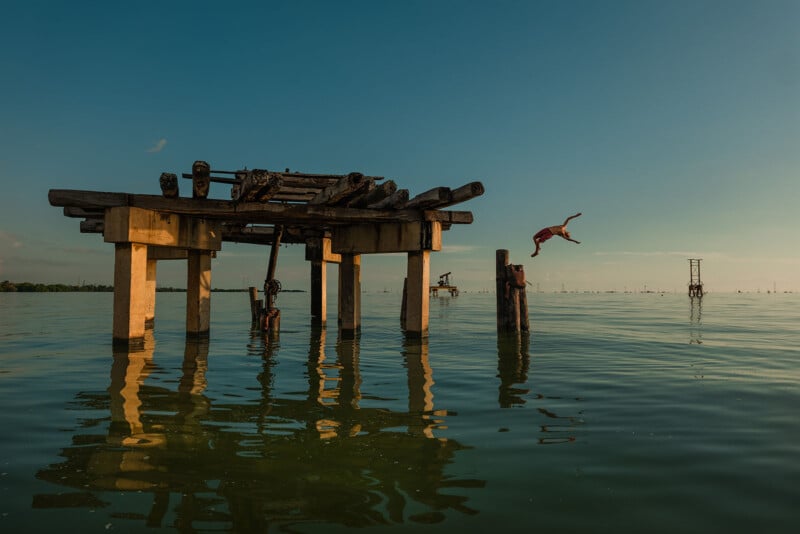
x=458, y=195
x=257, y=186
x=92, y=226
x=268, y=213
x=374, y=195
x=345, y=187
x=393, y=201
x=430, y=198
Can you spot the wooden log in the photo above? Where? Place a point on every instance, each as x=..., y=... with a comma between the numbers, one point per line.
x=93, y=226
x=257, y=186
x=394, y=201
x=429, y=199
x=96, y=213
x=201, y=179
x=255, y=305
x=352, y=200
x=345, y=187
x=501, y=260
x=373, y=195
x=460, y=194
x=169, y=184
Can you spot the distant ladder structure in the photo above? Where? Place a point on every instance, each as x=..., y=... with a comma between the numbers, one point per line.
x=695, y=285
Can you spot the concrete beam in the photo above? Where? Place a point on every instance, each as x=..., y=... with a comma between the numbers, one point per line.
x=388, y=237
x=137, y=225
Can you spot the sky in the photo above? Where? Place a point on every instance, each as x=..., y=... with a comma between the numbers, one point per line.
x=672, y=126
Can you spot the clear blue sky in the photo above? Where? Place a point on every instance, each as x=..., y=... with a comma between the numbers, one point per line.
x=674, y=126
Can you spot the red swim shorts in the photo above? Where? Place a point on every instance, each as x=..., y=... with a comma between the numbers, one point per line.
x=543, y=235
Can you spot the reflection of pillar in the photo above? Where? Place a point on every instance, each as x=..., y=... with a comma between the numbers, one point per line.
x=198, y=293
x=130, y=266
x=317, y=376
x=417, y=287
x=512, y=365
x=350, y=293
x=347, y=351
x=319, y=297
x=192, y=404
x=128, y=372
x=420, y=388
x=150, y=294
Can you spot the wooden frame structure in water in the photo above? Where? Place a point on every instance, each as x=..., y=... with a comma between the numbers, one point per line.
x=337, y=217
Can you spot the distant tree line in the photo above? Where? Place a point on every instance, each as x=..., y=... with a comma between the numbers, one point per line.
x=28, y=287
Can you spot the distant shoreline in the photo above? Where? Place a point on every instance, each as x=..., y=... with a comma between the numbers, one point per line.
x=29, y=287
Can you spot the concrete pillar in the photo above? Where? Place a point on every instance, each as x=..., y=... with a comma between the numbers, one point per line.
x=417, y=300
x=350, y=293
x=198, y=293
x=130, y=274
x=150, y=294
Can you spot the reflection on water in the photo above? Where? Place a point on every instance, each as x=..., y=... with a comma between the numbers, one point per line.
x=512, y=366
x=695, y=320
x=267, y=462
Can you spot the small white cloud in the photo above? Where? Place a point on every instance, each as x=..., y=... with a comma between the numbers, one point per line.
x=159, y=146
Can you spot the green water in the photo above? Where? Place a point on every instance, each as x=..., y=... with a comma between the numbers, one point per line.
x=620, y=413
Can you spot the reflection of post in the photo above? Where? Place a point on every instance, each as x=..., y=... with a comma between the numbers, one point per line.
x=695, y=318
x=512, y=366
x=347, y=351
x=420, y=384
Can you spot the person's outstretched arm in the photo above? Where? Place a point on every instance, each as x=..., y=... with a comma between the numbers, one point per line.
x=568, y=219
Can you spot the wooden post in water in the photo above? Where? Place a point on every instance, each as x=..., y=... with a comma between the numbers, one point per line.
x=512, y=301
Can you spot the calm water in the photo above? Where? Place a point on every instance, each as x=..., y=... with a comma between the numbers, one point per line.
x=621, y=413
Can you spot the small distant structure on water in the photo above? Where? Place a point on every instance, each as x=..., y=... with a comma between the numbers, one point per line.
x=695, y=284
x=444, y=285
